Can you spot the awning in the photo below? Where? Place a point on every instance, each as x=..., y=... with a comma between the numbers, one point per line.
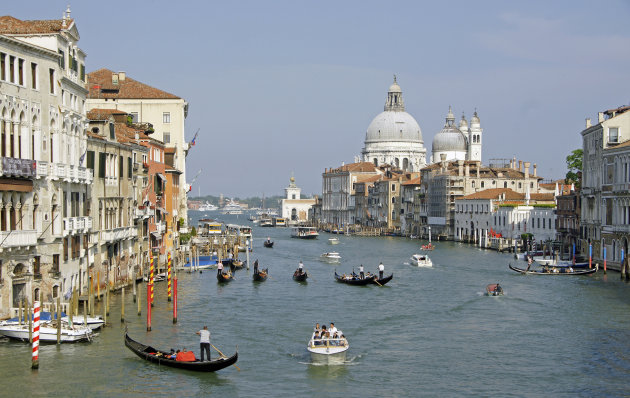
x=161, y=176
x=156, y=235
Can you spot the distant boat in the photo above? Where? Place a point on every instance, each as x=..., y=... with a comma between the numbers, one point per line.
x=333, y=241
x=207, y=207
x=421, y=260
x=494, y=289
x=332, y=257
x=304, y=233
x=48, y=332
x=552, y=270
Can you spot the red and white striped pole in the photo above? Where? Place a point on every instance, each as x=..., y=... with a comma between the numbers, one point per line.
x=169, y=276
x=35, y=357
x=175, y=301
x=151, y=280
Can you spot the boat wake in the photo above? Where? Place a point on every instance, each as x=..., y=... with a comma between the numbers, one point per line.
x=348, y=362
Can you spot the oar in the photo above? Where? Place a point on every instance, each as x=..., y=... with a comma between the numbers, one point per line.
x=224, y=356
x=376, y=281
x=308, y=275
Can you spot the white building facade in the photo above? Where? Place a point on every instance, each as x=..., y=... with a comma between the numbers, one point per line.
x=294, y=208
x=458, y=142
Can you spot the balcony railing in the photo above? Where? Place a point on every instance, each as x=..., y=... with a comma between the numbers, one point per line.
x=17, y=167
x=145, y=213
x=117, y=234
x=18, y=238
x=75, y=225
x=61, y=171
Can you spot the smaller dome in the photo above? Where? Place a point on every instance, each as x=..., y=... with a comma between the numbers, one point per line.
x=395, y=88
x=449, y=139
x=463, y=123
x=475, y=119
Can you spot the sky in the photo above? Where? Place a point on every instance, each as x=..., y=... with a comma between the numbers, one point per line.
x=281, y=88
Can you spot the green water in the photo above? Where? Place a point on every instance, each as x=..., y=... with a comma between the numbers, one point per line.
x=429, y=332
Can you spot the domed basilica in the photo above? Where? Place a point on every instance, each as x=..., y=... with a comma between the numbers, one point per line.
x=394, y=137
x=458, y=142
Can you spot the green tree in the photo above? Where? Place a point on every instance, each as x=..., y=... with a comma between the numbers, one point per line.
x=574, y=167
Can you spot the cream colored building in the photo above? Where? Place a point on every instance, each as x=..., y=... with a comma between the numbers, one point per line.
x=294, y=208
x=166, y=112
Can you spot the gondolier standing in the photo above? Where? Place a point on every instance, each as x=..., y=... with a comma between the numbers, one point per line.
x=220, y=268
x=529, y=262
x=301, y=267
x=256, y=266
x=361, y=273
x=204, y=342
x=381, y=269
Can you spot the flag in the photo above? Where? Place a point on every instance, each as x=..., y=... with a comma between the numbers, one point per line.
x=192, y=143
x=82, y=157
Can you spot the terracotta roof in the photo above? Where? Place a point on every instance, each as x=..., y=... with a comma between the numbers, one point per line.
x=368, y=178
x=10, y=25
x=365, y=167
x=413, y=181
x=622, y=145
x=549, y=197
x=169, y=150
x=101, y=86
x=103, y=114
x=495, y=193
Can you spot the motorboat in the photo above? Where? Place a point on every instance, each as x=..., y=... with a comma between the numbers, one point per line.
x=205, y=262
x=304, y=233
x=265, y=222
x=428, y=247
x=157, y=277
x=332, y=257
x=48, y=332
x=232, y=208
x=421, y=260
x=494, y=289
x=93, y=323
x=328, y=350
x=333, y=241
x=207, y=207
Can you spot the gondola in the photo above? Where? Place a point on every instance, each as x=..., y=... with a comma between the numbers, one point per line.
x=224, y=278
x=354, y=279
x=382, y=281
x=551, y=270
x=261, y=276
x=300, y=276
x=150, y=354
x=268, y=244
x=236, y=264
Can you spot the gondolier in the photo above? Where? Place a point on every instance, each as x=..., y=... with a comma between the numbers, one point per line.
x=381, y=269
x=204, y=342
x=301, y=267
x=220, y=268
x=361, y=273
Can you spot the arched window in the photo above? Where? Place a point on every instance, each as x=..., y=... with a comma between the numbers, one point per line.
x=375, y=162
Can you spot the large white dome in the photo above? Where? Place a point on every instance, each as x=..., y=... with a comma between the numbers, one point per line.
x=393, y=126
x=450, y=138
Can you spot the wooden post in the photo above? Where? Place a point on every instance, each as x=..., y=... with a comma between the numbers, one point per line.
x=85, y=313
x=30, y=324
x=90, y=308
x=20, y=308
x=122, y=306
x=107, y=298
x=71, y=308
x=138, y=301
x=104, y=313
x=149, y=307
x=134, y=288
x=168, y=276
x=175, y=302
x=98, y=285
x=59, y=317
x=604, y=259
x=151, y=279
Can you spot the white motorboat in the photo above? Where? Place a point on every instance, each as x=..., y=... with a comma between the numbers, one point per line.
x=157, y=277
x=333, y=241
x=304, y=233
x=421, y=260
x=93, y=323
x=331, y=351
x=48, y=332
x=332, y=257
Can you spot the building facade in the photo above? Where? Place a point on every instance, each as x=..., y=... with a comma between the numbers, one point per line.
x=293, y=207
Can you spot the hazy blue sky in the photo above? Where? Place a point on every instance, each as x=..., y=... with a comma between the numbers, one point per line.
x=291, y=86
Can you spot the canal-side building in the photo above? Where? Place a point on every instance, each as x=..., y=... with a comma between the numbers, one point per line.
x=410, y=207
x=568, y=222
x=44, y=184
x=338, y=185
x=603, y=191
x=362, y=215
x=294, y=208
x=165, y=112
x=171, y=195
x=394, y=136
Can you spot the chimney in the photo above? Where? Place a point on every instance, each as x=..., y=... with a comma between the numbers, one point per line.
x=478, y=167
x=535, y=172
x=115, y=79
x=122, y=76
x=588, y=122
x=520, y=165
x=600, y=117
x=467, y=170
x=527, y=164
x=514, y=162
x=460, y=167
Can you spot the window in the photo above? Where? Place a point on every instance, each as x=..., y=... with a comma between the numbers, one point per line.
x=62, y=59
x=101, y=164
x=613, y=134
x=112, y=131
x=129, y=167
x=51, y=78
x=36, y=265
x=505, y=184
x=90, y=160
x=3, y=66
x=134, y=117
x=21, y=72
x=55, y=290
x=167, y=138
x=33, y=76
x=55, y=263
x=482, y=184
x=11, y=69
x=393, y=187
x=120, y=167
x=82, y=72
x=166, y=117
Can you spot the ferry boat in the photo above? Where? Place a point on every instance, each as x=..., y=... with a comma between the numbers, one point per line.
x=304, y=233
x=210, y=227
x=232, y=208
x=279, y=222
x=207, y=207
x=421, y=260
x=328, y=350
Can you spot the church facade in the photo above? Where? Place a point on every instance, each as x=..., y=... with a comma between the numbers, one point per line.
x=458, y=142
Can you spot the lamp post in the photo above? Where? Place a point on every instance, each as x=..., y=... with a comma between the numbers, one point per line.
x=247, y=251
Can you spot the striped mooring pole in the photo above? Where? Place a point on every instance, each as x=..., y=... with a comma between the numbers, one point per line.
x=35, y=357
x=168, y=276
x=151, y=280
x=149, y=289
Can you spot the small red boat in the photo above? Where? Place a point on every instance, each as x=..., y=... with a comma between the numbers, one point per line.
x=494, y=289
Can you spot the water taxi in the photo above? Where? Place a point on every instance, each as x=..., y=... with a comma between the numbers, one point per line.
x=207, y=207
x=421, y=260
x=304, y=233
x=210, y=227
x=48, y=332
x=331, y=257
x=333, y=241
x=328, y=350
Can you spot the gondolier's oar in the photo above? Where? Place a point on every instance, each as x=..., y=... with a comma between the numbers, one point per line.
x=224, y=356
x=376, y=280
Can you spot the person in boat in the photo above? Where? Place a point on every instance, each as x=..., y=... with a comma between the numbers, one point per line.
x=529, y=262
x=204, y=342
x=300, y=268
x=268, y=240
x=256, y=266
x=332, y=330
x=173, y=354
x=220, y=268
x=381, y=269
x=361, y=274
x=497, y=288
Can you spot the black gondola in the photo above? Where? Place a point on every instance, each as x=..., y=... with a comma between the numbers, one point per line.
x=150, y=354
x=354, y=279
x=224, y=278
x=382, y=281
x=299, y=276
x=261, y=276
x=268, y=243
x=549, y=270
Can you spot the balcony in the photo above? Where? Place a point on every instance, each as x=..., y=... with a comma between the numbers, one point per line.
x=65, y=172
x=76, y=225
x=144, y=212
x=18, y=238
x=12, y=167
x=118, y=234
x=160, y=228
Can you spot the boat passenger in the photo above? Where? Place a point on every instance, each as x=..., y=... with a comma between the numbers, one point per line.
x=361, y=273
x=332, y=329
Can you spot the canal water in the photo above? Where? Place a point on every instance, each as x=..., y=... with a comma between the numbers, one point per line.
x=429, y=332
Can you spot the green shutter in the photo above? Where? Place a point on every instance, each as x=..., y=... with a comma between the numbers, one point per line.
x=120, y=166
x=90, y=160
x=129, y=167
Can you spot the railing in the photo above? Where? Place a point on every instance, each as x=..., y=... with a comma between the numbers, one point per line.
x=117, y=234
x=73, y=225
x=144, y=213
x=18, y=238
x=71, y=173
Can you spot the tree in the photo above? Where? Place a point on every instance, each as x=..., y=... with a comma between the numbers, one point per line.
x=574, y=166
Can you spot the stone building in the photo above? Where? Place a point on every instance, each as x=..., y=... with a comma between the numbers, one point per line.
x=294, y=208
x=44, y=185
